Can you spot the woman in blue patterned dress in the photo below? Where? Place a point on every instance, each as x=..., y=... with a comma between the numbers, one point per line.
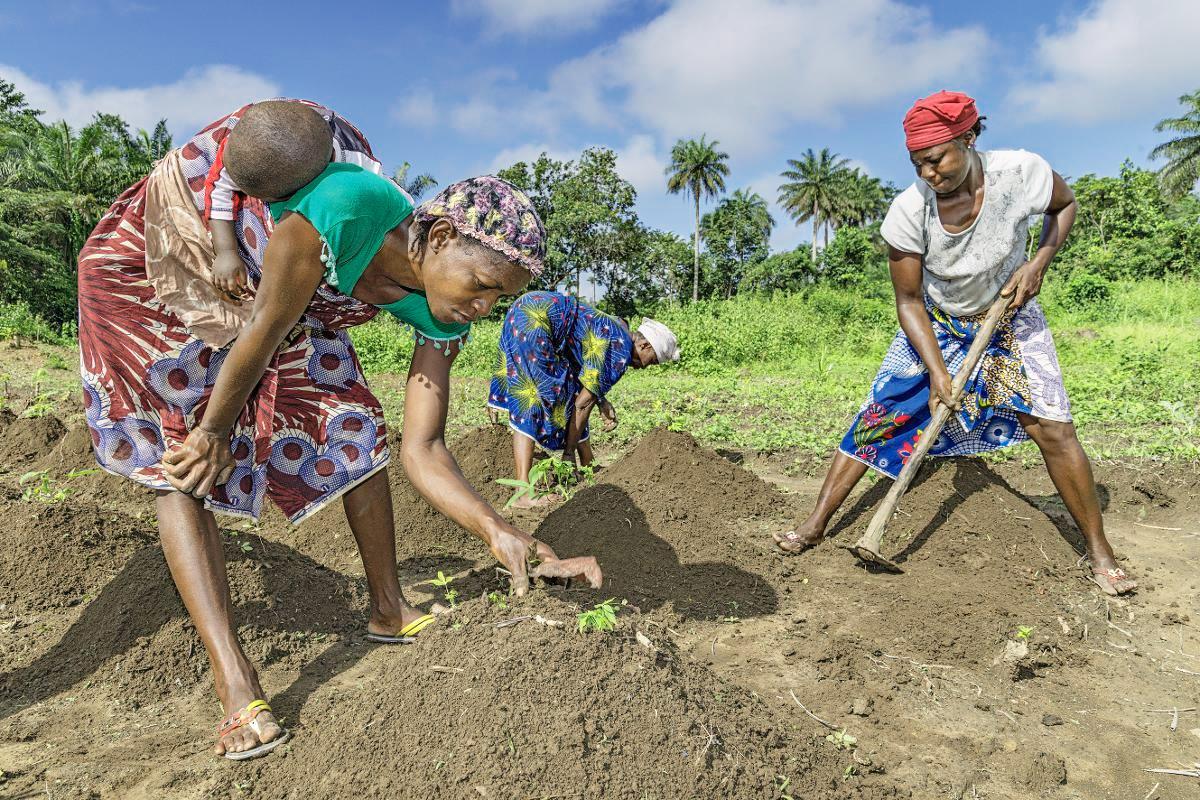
x=558, y=360
x=957, y=239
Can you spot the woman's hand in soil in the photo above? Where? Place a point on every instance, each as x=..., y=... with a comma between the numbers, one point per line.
x=1025, y=283
x=203, y=461
x=610, y=415
x=579, y=568
x=941, y=392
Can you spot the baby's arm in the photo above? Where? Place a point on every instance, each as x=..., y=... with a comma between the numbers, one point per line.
x=229, y=273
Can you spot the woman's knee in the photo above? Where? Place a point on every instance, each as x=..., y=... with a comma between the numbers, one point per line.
x=1051, y=434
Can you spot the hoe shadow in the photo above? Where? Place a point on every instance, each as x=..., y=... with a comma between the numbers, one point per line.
x=299, y=595
x=644, y=569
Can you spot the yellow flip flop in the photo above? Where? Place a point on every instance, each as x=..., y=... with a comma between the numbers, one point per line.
x=407, y=634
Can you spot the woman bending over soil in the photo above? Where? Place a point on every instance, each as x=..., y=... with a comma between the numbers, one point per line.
x=284, y=412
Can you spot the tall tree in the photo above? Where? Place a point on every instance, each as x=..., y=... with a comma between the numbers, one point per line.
x=588, y=211
x=737, y=233
x=1182, y=170
x=415, y=186
x=862, y=199
x=811, y=189
x=698, y=167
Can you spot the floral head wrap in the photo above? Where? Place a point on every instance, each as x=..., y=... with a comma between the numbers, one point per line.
x=496, y=214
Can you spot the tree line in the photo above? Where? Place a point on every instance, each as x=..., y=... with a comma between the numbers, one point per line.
x=56, y=182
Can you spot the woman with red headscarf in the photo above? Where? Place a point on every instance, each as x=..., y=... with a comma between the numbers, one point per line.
x=956, y=240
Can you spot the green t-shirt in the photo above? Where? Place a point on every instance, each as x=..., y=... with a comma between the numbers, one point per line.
x=352, y=211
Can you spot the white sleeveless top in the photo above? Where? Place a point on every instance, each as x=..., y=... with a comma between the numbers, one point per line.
x=964, y=271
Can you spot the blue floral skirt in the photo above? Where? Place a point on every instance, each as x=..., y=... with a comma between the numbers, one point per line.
x=1019, y=373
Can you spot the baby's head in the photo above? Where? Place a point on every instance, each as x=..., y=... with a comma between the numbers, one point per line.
x=276, y=148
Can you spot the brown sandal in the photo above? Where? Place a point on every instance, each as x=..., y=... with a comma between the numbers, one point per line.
x=248, y=717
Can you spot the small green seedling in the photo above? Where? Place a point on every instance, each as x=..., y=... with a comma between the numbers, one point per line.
x=1023, y=632
x=849, y=772
x=842, y=740
x=39, y=487
x=782, y=782
x=547, y=477
x=442, y=581
x=498, y=600
x=603, y=617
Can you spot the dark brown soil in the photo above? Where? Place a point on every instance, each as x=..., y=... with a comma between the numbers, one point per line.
x=537, y=711
x=662, y=524
x=105, y=689
x=27, y=439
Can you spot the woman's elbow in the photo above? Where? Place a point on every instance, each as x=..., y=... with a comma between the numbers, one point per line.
x=415, y=454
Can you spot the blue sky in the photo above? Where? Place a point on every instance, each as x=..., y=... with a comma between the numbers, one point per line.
x=459, y=88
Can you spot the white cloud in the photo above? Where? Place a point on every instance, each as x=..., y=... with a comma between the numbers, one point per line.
x=528, y=153
x=640, y=163
x=1119, y=58
x=418, y=109
x=200, y=96
x=744, y=72
x=543, y=17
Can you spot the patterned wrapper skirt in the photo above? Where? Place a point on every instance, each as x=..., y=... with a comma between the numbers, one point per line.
x=551, y=346
x=311, y=429
x=1019, y=372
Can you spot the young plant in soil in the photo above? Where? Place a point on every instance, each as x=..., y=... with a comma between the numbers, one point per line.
x=443, y=581
x=40, y=488
x=842, y=740
x=549, y=476
x=602, y=617
x=498, y=600
x=1023, y=633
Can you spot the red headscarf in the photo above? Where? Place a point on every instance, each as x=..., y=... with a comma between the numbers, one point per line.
x=938, y=118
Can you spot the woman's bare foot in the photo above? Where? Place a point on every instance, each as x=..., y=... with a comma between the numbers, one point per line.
x=800, y=538
x=526, y=502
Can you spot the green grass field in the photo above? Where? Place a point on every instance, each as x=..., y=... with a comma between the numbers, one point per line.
x=789, y=372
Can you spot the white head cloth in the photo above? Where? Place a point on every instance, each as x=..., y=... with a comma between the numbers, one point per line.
x=666, y=346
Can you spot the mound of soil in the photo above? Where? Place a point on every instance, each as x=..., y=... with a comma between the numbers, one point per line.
x=980, y=562
x=92, y=600
x=473, y=710
x=27, y=439
x=73, y=454
x=424, y=536
x=666, y=525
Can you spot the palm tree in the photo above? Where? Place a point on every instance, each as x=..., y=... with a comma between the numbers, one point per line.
x=418, y=185
x=699, y=167
x=863, y=199
x=811, y=190
x=1182, y=171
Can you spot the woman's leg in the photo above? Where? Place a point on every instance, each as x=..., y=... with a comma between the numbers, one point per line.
x=369, y=511
x=844, y=474
x=192, y=545
x=586, y=456
x=1071, y=473
x=523, y=459
x=522, y=455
